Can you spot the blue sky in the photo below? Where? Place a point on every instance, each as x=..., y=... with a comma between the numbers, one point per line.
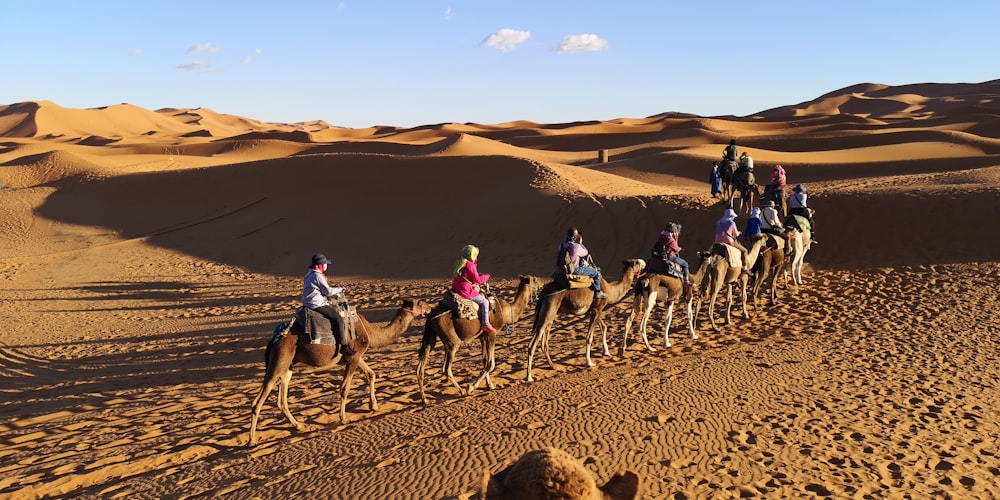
x=360, y=63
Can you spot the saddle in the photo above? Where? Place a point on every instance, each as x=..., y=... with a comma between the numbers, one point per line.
x=665, y=267
x=318, y=328
x=572, y=281
x=460, y=306
x=730, y=253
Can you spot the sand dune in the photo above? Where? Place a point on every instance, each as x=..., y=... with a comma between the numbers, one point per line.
x=146, y=256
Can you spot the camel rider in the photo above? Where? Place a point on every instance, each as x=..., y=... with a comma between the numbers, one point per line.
x=581, y=261
x=746, y=163
x=727, y=233
x=798, y=205
x=316, y=291
x=729, y=154
x=754, y=225
x=770, y=221
x=778, y=181
x=668, y=250
x=466, y=280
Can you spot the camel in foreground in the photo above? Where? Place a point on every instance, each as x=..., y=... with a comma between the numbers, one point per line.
x=550, y=473
x=720, y=274
x=556, y=298
x=769, y=265
x=455, y=332
x=292, y=346
x=662, y=289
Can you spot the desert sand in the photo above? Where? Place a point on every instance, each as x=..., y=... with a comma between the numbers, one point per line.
x=146, y=256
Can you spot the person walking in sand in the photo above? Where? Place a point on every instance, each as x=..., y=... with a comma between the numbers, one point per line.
x=715, y=179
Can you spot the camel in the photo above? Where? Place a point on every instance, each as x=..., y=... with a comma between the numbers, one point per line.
x=720, y=274
x=556, y=298
x=292, y=346
x=455, y=332
x=745, y=183
x=726, y=169
x=549, y=473
x=770, y=263
x=660, y=288
x=799, y=241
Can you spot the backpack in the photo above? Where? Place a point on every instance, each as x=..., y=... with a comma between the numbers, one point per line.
x=564, y=262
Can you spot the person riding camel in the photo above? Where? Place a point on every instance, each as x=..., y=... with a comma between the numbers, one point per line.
x=466, y=280
x=667, y=249
x=746, y=163
x=727, y=233
x=754, y=225
x=770, y=221
x=316, y=292
x=778, y=181
x=798, y=205
x=582, y=262
x=730, y=152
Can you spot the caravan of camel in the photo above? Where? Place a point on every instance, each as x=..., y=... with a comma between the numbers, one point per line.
x=768, y=257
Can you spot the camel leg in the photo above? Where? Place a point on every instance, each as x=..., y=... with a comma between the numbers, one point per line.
x=729, y=304
x=668, y=318
x=711, y=308
x=283, y=399
x=345, y=386
x=270, y=380
x=589, y=363
x=488, y=365
x=604, y=338
x=647, y=311
x=629, y=319
x=421, y=363
x=690, y=319
x=535, y=340
x=743, y=296
x=449, y=358
x=370, y=375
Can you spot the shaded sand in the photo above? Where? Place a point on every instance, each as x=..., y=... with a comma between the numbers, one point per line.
x=146, y=256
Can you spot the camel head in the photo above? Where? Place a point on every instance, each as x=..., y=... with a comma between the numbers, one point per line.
x=635, y=266
x=416, y=307
x=552, y=473
x=534, y=285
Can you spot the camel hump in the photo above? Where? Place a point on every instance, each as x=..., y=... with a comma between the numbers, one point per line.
x=553, y=473
x=730, y=253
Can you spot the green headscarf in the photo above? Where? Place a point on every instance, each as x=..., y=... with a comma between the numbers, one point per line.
x=469, y=252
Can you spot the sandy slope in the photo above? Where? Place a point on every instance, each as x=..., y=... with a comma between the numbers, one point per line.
x=146, y=256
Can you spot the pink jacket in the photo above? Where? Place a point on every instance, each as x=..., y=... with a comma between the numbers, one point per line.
x=466, y=281
x=726, y=231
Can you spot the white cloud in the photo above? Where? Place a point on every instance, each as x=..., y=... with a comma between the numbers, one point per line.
x=447, y=14
x=204, y=47
x=588, y=42
x=249, y=58
x=136, y=52
x=193, y=65
x=506, y=39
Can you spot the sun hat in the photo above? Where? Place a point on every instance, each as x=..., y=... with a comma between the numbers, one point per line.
x=319, y=259
x=730, y=214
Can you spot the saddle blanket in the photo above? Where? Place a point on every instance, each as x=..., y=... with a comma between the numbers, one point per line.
x=318, y=327
x=465, y=308
x=733, y=255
